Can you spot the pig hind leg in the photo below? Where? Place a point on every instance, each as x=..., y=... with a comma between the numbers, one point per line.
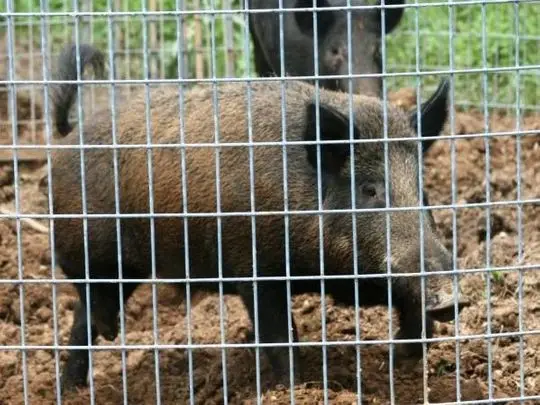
x=104, y=302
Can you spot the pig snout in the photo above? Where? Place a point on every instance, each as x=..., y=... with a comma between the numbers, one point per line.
x=440, y=297
x=440, y=294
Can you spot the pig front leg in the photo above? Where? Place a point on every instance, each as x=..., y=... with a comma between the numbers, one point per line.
x=273, y=325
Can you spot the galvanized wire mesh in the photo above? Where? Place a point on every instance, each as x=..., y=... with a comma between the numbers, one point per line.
x=487, y=48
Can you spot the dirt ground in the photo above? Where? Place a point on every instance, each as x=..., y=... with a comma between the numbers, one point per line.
x=506, y=314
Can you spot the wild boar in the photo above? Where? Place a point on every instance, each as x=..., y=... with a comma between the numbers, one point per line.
x=233, y=194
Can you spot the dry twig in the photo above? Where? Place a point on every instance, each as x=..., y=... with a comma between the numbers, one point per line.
x=32, y=223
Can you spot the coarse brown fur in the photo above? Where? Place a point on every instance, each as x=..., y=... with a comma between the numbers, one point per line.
x=198, y=126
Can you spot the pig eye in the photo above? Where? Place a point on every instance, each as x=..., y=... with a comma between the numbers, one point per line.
x=369, y=190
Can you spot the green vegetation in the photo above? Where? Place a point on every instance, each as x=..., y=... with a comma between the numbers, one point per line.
x=497, y=277
x=496, y=46
x=499, y=48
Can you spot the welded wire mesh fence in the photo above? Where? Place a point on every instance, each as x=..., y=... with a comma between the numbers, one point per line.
x=195, y=169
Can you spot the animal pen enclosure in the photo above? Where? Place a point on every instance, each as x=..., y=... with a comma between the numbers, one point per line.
x=482, y=177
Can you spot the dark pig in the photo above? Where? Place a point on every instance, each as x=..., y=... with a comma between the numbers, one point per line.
x=333, y=51
x=234, y=193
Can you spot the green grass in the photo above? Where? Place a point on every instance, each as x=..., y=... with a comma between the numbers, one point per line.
x=495, y=46
x=474, y=48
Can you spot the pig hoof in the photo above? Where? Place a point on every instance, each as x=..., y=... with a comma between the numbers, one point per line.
x=281, y=371
x=403, y=363
x=407, y=355
x=109, y=330
x=110, y=334
x=69, y=385
x=283, y=381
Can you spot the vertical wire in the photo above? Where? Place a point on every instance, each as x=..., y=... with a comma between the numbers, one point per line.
x=387, y=191
x=488, y=198
x=80, y=118
x=31, y=69
x=181, y=75
x=518, y=198
x=161, y=31
x=127, y=47
x=216, y=114
x=453, y=183
x=421, y=202
x=151, y=197
x=91, y=39
x=48, y=141
x=353, y=215
x=283, y=73
x=111, y=39
x=320, y=206
x=12, y=101
x=245, y=14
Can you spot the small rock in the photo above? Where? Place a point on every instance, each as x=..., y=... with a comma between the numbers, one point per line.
x=44, y=314
x=6, y=175
x=510, y=356
x=505, y=315
x=348, y=330
x=45, y=258
x=481, y=370
x=9, y=362
x=135, y=359
x=497, y=225
x=15, y=311
x=7, y=193
x=307, y=307
x=42, y=357
x=443, y=329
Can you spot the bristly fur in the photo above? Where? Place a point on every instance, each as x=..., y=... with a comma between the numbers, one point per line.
x=130, y=180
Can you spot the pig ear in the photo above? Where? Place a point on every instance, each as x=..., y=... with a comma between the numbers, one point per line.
x=392, y=16
x=334, y=126
x=304, y=19
x=433, y=114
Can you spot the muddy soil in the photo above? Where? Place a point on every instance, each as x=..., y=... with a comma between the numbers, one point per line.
x=43, y=309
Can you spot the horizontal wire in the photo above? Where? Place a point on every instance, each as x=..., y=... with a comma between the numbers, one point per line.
x=216, y=12
x=147, y=146
x=275, y=78
x=224, y=214
x=236, y=279
x=303, y=343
